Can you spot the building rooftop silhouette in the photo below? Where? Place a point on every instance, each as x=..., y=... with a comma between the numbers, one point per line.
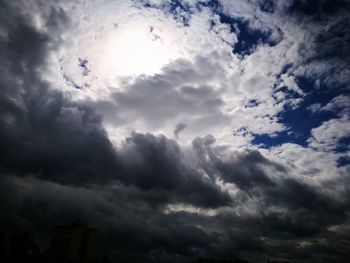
x=73, y=242
x=222, y=260
x=277, y=260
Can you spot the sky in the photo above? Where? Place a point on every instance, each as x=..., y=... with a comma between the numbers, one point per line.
x=179, y=129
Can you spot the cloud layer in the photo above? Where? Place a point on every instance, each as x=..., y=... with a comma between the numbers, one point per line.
x=237, y=144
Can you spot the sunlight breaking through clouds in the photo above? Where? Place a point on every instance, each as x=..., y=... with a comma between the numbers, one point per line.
x=181, y=129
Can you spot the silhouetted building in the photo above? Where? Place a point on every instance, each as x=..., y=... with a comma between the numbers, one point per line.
x=19, y=246
x=73, y=243
x=277, y=260
x=222, y=260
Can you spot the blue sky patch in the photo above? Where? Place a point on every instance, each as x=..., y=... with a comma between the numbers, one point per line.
x=248, y=38
x=302, y=120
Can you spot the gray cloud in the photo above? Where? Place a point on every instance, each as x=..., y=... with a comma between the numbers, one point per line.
x=244, y=170
x=175, y=96
x=179, y=128
x=156, y=164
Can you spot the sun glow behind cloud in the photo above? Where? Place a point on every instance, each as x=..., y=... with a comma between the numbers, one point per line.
x=124, y=43
x=137, y=50
x=128, y=50
x=129, y=43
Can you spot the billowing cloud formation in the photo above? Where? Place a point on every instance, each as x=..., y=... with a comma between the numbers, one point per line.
x=258, y=108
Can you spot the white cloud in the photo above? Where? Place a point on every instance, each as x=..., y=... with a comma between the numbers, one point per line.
x=306, y=164
x=193, y=59
x=195, y=77
x=326, y=137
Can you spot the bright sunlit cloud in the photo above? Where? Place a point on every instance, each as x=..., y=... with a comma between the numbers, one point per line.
x=136, y=51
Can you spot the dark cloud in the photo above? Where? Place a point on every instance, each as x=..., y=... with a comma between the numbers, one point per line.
x=42, y=133
x=179, y=128
x=326, y=27
x=157, y=164
x=244, y=170
x=307, y=210
x=318, y=7
x=331, y=45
